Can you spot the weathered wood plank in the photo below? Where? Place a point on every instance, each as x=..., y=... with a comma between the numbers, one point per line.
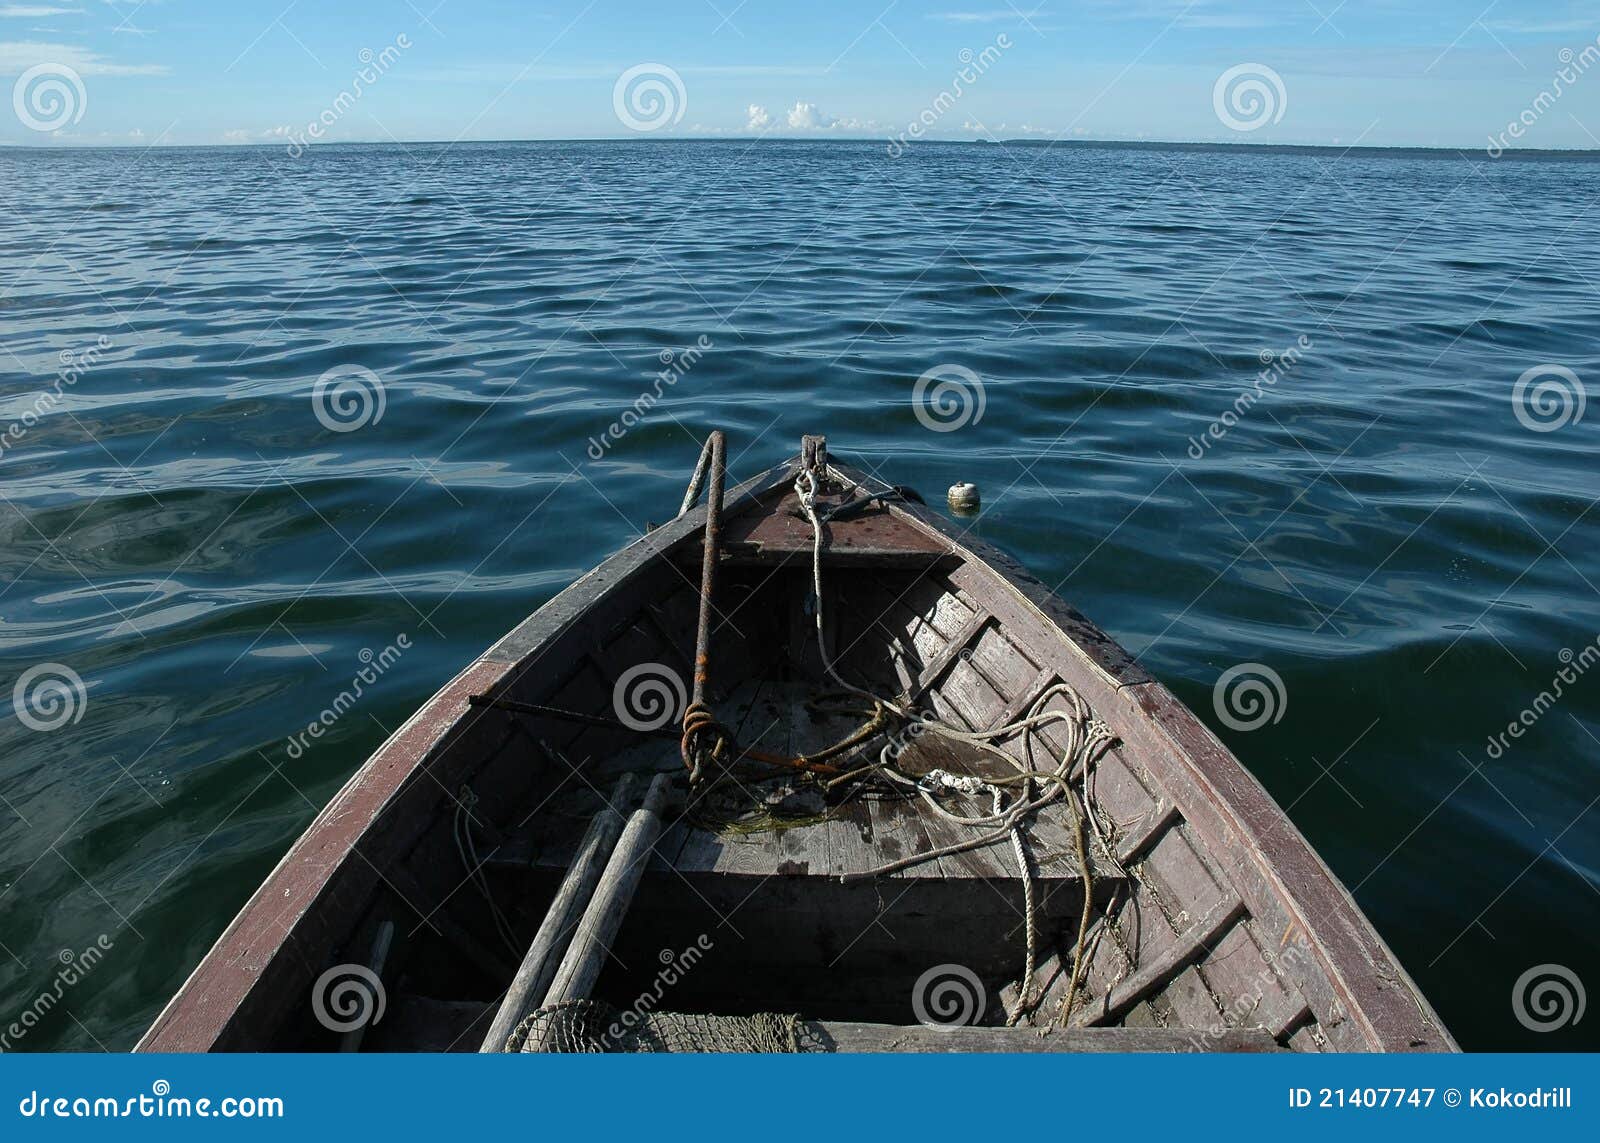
x=839, y=1036
x=1138, y=842
x=959, y=641
x=1025, y=696
x=1190, y=946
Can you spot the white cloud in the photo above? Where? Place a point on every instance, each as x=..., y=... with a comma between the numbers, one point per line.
x=246, y=135
x=35, y=11
x=803, y=117
x=806, y=117
x=17, y=57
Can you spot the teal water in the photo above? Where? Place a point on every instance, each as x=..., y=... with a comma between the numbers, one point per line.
x=1377, y=525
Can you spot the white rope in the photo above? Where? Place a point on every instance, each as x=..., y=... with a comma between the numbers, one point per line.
x=1087, y=738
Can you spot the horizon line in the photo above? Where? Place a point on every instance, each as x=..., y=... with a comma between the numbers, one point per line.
x=1241, y=145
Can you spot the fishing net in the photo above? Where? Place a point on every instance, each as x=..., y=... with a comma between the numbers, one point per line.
x=593, y=1026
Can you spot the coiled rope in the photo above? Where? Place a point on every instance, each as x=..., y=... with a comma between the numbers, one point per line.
x=706, y=744
x=1087, y=739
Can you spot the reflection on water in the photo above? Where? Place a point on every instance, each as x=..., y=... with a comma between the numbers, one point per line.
x=210, y=543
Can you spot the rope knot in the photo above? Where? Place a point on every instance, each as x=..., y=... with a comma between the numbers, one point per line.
x=964, y=783
x=704, y=740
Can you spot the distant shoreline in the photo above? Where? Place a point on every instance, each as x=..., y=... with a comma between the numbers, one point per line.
x=1551, y=153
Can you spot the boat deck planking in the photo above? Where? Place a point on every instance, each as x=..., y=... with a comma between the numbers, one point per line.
x=1214, y=922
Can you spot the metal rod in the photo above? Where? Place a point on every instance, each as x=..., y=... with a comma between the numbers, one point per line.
x=716, y=446
x=568, y=715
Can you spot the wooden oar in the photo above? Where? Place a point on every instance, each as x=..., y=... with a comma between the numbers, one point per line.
x=591, y=944
x=560, y=920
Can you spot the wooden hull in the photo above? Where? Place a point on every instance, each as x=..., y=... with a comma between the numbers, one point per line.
x=1215, y=925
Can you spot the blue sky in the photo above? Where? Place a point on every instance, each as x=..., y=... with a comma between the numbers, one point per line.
x=1377, y=72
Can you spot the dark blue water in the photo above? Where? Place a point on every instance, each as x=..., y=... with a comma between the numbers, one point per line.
x=1375, y=525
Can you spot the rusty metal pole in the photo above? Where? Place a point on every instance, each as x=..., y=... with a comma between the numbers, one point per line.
x=717, y=446
x=698, y=721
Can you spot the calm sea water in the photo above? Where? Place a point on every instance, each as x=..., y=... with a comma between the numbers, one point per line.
x=1377, y=527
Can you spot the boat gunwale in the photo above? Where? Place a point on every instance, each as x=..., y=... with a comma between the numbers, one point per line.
x=203, y=1015
x=1341, y=934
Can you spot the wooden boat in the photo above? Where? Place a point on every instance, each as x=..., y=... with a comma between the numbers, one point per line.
x=844, y=874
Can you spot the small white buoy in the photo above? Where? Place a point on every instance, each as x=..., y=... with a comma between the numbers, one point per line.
x=964, y=499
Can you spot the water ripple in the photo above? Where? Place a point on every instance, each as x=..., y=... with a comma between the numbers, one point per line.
x=211, y=556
